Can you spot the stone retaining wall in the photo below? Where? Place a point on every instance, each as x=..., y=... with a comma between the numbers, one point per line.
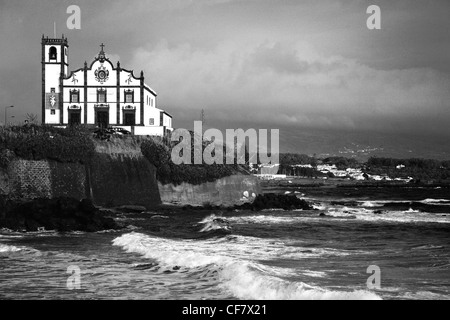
x=228, y=191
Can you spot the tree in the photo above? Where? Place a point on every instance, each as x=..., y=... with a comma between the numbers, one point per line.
x=32, y=118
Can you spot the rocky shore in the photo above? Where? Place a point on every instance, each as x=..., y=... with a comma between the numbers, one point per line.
x=61, y=214
x=67, y=214
x=261, y=202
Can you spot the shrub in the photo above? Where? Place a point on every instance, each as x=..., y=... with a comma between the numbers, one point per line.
x=45, y=142
x=159, y=154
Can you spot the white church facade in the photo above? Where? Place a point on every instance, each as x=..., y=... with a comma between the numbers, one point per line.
x=98, y=94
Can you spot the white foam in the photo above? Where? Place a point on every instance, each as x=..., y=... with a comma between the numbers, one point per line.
x=408, y=216
x=319, y=206
x=235, y=266
x=7, y=248
x=314, y=274
x=245, y=283
x=436, y=201
x=371, y=204
x=213, y=222
x=264, y=219
x=379, y=203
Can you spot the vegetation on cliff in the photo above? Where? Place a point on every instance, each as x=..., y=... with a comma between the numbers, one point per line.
x=73, y=144
x=159, y=154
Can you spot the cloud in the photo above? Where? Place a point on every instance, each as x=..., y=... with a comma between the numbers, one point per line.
x=310, y=64
x=289, y=83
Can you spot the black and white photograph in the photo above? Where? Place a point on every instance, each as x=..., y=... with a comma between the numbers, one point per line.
x=224, y=154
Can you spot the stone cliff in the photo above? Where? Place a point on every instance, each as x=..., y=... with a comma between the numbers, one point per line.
x=118, y=175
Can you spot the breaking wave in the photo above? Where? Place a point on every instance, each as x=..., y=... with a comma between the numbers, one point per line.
x=213, y=222
x=6, y=248
x=231, y=264
x=436, y=201
x=405, y=216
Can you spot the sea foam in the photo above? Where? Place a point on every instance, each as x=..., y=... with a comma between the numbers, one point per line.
x=7, y=248
x=233, y=263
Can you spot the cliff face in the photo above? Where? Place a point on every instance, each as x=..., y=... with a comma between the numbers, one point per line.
x=26, y=179
x=111, y=179
x=228, y=191
x=122, y=180
x=118, y=175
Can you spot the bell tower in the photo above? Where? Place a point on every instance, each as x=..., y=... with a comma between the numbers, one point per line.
x=55, y=65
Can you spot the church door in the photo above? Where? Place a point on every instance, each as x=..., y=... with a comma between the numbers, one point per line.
x=129, y=118
x=102, y=119
x=74, y=118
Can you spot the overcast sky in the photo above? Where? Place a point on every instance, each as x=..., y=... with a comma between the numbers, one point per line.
x=252, y=63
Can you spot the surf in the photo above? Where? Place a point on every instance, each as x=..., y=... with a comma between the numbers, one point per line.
x=240, y=274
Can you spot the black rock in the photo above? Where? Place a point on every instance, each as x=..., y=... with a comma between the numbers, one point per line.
x=62, y=214
x=32, y=225
x=275, y=201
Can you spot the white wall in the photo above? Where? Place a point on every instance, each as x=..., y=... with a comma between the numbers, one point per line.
x=151, y=131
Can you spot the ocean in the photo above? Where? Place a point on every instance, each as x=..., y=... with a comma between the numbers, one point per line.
x=404, y=233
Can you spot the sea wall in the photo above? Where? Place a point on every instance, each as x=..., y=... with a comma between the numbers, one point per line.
x=123, y=180
x=26, y=179
x=109, y=180
x=228, y=191
x=118, y=175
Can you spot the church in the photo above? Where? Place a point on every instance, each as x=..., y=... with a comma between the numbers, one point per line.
x=98, y=94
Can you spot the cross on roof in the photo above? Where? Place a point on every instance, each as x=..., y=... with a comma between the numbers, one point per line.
x=102, y=45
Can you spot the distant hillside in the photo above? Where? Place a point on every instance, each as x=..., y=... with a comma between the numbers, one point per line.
x=362, y=146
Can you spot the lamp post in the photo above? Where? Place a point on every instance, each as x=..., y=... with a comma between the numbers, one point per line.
x=6, y=108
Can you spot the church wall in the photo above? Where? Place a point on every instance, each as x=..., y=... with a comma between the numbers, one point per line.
x=76, y=79
x=52, y=118
x=112, y=75
x=127, y=79
x=89, y=81
x=150, y=131
x=52, y=79
x=155, y=114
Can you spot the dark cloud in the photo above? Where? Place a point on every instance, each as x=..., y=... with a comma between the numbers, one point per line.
x=308, y=64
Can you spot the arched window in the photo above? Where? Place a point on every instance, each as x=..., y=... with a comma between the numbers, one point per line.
x=52, y=53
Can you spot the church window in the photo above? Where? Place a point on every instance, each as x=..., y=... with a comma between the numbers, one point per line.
x=52, y=111
x=129, y=96
x=52, y=53
x=52, y=90
x=152, y=121
x=101, y=96
x=74, y=96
